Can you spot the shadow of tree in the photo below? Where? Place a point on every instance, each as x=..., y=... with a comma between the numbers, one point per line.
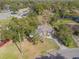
x=58, y=56
x=50, y=56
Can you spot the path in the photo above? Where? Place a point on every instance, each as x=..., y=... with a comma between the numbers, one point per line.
x=5, y=15
x=76, y=39
x=60, y=45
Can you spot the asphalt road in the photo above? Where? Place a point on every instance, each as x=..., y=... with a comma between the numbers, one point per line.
x=4, y=15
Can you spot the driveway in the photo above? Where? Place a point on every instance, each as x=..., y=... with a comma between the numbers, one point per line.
x=62, y=54
x=69, y=53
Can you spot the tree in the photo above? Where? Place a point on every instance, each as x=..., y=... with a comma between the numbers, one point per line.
x=65, y=35
x=18, y=29
x=2, y=3
x=32, y=25
x=39, y=7
x=15, y=32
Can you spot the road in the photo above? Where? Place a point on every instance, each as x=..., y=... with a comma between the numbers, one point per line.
x=4, y=15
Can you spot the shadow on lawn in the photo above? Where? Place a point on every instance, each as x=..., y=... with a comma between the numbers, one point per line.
x=58, y=56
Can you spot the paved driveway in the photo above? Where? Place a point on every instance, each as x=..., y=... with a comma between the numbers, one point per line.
x=62, y=54
x=69, y=53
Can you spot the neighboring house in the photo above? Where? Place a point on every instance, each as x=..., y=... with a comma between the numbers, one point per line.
x=73, y=27
x=6, y=13
x=21, y=13
x=76, y=11
x=24, y=11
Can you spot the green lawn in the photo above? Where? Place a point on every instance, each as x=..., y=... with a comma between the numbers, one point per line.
x=4, y=22
x=9, y=51
x=63, y=21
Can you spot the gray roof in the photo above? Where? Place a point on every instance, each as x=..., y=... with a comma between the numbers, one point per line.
x=73, y=27
x=44, y=28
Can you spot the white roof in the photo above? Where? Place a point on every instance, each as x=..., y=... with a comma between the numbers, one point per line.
x=24, y=9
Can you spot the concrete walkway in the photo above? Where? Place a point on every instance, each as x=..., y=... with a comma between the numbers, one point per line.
x=76, y=39
x=60, y=45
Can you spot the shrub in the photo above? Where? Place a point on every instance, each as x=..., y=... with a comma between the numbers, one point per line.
x=65, y=35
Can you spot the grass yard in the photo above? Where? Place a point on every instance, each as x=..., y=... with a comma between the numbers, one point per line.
x=3, y=22
x=9, y=51
x=64, y=21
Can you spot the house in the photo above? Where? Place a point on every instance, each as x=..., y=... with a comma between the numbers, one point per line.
x=45, y=30
x=21, y=13
x=24, y=11
x=76, y=11
x=73, y=27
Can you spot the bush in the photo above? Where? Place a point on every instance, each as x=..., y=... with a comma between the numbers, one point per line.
x=65, y=35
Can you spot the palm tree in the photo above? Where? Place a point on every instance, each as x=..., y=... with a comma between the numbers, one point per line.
x=15, y=32
x=17, y=29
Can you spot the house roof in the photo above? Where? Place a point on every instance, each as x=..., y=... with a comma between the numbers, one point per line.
x=44, y=28
x=24, y=9
x=74, y=27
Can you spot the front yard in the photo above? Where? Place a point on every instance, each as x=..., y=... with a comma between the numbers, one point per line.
x=9, y=50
